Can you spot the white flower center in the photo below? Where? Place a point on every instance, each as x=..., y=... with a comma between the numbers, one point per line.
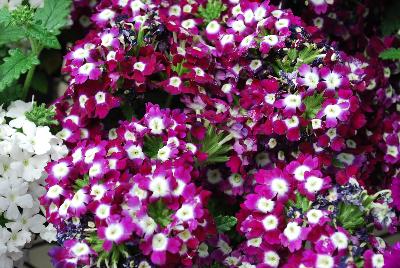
x=159, y=242
x=279, y=186
x=103, y=211
x=213, y=27
x=292, y=101
x=265, y=205
x=80, y=249
x=292, y=231
x=54, y=191
x=325, y=261
x=114, y=231
x=185, y=213
x=60, y=170
x=236, y=180
x=378, y=261
x=140, y=66
x=332, y=110
x=270, y=222
x=159, y=186
x=156, y=125
x=340, y=240
x=100, y=97
x=86, y=68
x=314, y=215
x=135, y=152
x=271, y=258
x=313, y=184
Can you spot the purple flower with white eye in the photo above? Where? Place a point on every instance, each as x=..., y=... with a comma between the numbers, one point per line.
x=290, y=104
x=332, y=111
x=334, y=79
x=88, y=70
x=158, y=245
x=103, y=17
x=293, y=236
x=313, y=183
x=117, y=230
x=309, y=76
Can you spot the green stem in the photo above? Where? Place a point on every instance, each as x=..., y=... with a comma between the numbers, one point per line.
x=28, y=79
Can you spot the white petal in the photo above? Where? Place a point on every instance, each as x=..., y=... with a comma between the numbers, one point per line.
x=24, y=201
x=12, y=212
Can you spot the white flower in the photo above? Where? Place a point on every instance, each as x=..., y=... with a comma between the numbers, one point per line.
x=29, y=220
x=13, y=193
x=36, y=139
x=17, y=110
x=30, y=167
x=18, y=239
x=49, y=233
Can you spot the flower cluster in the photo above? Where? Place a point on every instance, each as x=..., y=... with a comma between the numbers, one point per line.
x=25, y=149
x=275, y=131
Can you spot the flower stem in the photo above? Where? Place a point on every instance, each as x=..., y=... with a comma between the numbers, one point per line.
x=28, y=79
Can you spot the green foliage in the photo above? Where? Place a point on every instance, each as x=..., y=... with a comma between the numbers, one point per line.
x=3, y=221
x=10, y=33
x=350, y=217
x=225, y=223
x=41, y=115
x=391, y=19
x=313, y=105
x=80, y=183
x=301, y=203
x=294, y=59
x=152, y=145
x=40, y=27
x=390, y=54
x=215, y=146
x=212, y=11
x=54, y=15
x=16, y=64
x=160, y=213
x=22, y=16
x=43, y=36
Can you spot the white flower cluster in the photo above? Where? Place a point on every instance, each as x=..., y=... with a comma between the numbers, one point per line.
x=13, y=4
x=25, y=150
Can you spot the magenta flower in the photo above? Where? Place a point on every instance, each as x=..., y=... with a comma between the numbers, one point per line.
x=116, y=231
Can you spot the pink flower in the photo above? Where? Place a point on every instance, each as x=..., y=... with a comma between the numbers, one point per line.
x=293, y=236
x=116, y=231
x=158, y=245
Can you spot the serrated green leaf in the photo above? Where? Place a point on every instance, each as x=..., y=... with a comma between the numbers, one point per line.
x=313, y=105
x=16, y=64
x=212, y=11
x=225, y=223
x=80, y=183
x=10, y=33
x=390, y=54
x=152, y=145
x=5, y=16
x=350, y=217
x=43, y=36
x=160, y=213
x=54, y=14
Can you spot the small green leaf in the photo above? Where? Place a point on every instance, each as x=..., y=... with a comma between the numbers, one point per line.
x=313, y=105
x=10, y=33
x=80, y=183
x=54, y=15
x=3, y=221
x=225, y=223
x=160, y=213
x=152, y=145
x=216, y=146
x=16, y=64
x=212, y=11
x=302, y=202
x=350, y=217
x=390, y=54
x=41, y=115
x=43, y=36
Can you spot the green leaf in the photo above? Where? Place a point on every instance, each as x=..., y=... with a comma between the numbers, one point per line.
x=313, y=105
x=302, y=202
x=212, y=11
x=215, y=145
x=16, y=64
x=10, y=33
x=225, y=223
x=390, y=54
x=3, y=221
x=5, y=16
x=80, y=183
x=42, y=116
x=54, y=15
x=43, y=36
x=350, y=217
x=152, y=145
x=160, y=213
